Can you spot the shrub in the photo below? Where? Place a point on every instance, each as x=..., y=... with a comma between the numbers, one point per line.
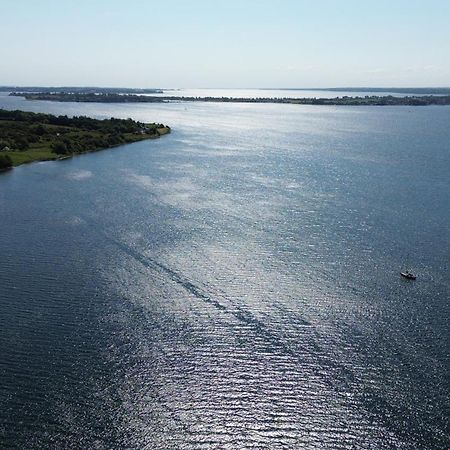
x=60, y=148
x=22, y=143
x=39, y=130
x=5, y=162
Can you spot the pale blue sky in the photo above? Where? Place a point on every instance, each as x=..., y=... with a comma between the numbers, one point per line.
x=229, y=43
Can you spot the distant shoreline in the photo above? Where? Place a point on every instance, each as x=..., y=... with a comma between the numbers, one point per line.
x=372, y=100
x=391, y=90
x=81, y=89
x=436, y=90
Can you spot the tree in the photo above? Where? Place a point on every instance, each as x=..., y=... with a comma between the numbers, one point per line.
x=40, y=130
x=22, y=143
x=60, y=148
x=5, y=162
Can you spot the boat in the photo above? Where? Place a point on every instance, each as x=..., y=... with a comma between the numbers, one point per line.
x=409, y=275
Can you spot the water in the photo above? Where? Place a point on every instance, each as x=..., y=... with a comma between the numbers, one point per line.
x=233, y=285
x=275, y=93
x=266, y=93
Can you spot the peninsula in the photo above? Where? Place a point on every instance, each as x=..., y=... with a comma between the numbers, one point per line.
x=27, y=136
x=369, y=100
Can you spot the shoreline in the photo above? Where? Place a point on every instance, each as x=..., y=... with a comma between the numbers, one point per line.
x=373, y=100
x=27, y=137
x=74, y=155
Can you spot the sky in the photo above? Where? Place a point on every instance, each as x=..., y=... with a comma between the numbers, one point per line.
x=225, y=43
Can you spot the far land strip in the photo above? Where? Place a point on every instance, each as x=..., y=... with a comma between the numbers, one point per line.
x=27, y=136
x=114, y=97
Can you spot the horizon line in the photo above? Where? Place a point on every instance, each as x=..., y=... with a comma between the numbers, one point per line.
x=343, y=88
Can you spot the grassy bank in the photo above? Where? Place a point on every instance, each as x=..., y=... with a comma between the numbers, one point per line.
x=26, y=137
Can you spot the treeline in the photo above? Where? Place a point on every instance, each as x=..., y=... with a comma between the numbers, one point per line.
x=394, y=90
x=373, y=100
x=90, y=97
x=83, y=122
x=81, y=90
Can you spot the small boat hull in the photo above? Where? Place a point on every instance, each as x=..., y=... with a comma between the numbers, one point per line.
x=408, y=276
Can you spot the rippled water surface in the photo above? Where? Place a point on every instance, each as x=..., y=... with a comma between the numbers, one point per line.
x=234, y=285
x=278, y=93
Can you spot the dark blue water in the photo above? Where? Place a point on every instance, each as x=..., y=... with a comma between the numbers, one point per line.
x=233, y=285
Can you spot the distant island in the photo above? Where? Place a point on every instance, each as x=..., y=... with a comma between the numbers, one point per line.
x=127, y=90
x=369, y=100
x=393, y=90
x=27, y=136
x=81, y=89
